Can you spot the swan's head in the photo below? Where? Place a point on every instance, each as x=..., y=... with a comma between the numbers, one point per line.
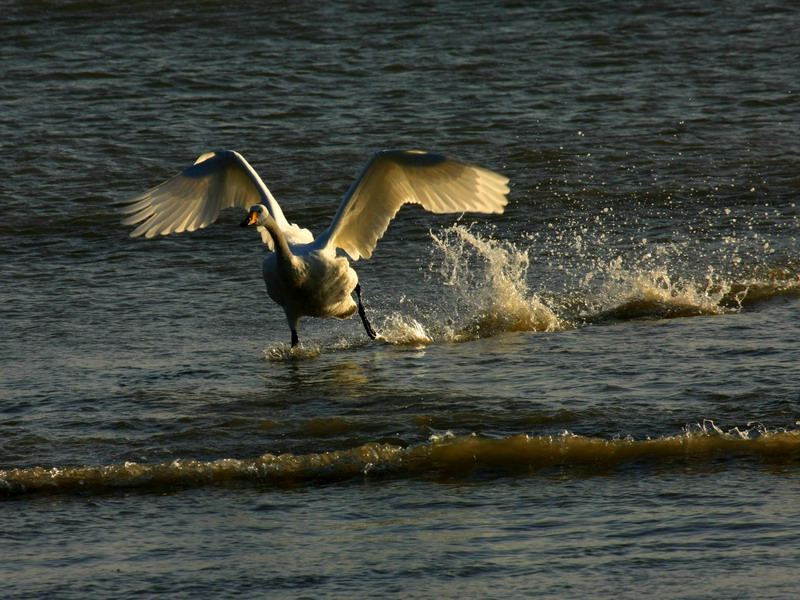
x=257, y=215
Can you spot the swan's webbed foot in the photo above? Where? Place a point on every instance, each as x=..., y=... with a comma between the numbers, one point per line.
x=295, y=338
x=362, y=313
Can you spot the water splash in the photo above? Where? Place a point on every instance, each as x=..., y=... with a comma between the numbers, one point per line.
x=486, y=287
x=306, y=350
x=400, y=330
x=644, y=290
x=596, y=277
x=281, y=352
x=650, y=292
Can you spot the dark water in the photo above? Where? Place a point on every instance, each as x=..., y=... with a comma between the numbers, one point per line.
x=594, y=394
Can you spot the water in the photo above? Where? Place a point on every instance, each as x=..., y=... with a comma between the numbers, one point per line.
x=594, y=394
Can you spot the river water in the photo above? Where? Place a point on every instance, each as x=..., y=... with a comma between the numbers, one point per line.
x=595, y=394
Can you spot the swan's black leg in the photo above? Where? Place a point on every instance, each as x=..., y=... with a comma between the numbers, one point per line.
x=361, y=313
x=295, y=339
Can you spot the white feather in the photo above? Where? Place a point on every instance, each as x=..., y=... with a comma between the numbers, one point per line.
x=393, y=178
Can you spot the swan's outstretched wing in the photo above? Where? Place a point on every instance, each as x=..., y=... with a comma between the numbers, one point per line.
x=194, y=198
x=393, y=178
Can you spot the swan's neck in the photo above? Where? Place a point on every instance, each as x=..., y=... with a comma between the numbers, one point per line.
x=279, y=243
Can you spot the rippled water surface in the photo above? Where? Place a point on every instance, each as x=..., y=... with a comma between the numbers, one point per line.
x=594, y=394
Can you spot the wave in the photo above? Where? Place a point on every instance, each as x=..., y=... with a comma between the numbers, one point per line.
x=444, y=455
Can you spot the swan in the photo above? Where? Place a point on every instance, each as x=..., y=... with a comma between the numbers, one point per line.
x=303, y=274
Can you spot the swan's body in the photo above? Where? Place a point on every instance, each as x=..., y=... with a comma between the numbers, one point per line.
x=304, y=275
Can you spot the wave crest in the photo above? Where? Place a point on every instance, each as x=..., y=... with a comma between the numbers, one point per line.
x=443, y=455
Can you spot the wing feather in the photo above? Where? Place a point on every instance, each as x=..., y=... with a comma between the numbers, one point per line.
x=194, y=198
x=393, y=178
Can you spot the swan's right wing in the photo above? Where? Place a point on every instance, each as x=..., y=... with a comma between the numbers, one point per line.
x=393, y=178
x=195, y=198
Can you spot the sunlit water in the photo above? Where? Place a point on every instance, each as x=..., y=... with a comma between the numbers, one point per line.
x=594, y=394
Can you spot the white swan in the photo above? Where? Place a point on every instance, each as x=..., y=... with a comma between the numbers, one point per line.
x=304, y=275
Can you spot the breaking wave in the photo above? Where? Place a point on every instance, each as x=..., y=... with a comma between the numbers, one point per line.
x=444, y=455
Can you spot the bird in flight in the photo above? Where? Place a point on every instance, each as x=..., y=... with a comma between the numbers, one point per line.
x=305, y=275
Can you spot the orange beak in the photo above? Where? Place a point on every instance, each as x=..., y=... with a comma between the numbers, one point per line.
x=251, y=219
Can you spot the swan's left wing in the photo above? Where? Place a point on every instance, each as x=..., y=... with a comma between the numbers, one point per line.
x=393, y=178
